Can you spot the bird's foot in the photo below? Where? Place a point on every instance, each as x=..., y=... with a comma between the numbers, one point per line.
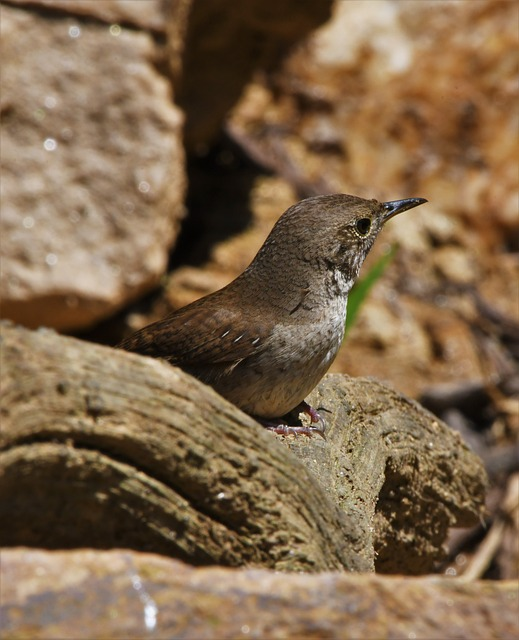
x=312, y=423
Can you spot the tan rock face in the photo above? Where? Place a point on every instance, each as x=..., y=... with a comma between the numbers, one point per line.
x=134, y=595
x=225, y=42
x=146, y=14
x=92, y=169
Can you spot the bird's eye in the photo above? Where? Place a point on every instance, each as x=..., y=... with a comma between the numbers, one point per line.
x=363, y=225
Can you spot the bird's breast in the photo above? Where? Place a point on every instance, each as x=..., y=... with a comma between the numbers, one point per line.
x=291, y=362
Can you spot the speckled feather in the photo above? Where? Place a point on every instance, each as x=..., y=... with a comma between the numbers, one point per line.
x=206, y=333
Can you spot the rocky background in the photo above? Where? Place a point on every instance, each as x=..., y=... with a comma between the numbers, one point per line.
x=148, y=147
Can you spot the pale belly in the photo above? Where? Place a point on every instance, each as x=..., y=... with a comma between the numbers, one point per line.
x=280, y=377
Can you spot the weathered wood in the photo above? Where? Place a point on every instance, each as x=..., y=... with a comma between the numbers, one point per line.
x=122, y=594
x=404, y=475
x=102, y=448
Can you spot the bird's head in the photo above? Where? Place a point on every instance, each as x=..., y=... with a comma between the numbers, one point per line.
x=331, y=233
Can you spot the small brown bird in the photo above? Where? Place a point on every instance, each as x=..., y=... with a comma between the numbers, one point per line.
x=265, y=340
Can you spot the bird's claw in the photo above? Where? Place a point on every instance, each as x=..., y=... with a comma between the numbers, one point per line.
x=287, y=430
x=312, y=423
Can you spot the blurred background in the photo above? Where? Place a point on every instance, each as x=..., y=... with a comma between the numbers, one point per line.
x=148, y=147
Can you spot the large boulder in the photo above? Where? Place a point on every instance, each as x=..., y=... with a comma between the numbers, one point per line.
x=122, y=594
x=92, y=168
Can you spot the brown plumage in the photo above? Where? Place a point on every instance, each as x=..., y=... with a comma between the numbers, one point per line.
x=266, y=339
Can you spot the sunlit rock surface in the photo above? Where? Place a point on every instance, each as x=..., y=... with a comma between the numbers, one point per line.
x=92, y=169
x=123, y=594
x=145, y=14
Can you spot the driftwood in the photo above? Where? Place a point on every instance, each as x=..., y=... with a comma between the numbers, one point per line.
x=122, y=594
x=102, y=448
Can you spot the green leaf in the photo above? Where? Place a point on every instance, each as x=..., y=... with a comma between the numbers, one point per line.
x=362, y=287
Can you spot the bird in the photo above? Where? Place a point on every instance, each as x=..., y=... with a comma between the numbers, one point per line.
x=265, y=340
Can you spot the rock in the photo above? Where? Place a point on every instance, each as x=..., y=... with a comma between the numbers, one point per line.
x=144, y=14
x=123, y=594
x=456, y=265
x=154, y=460
x=243, y=38
x=93, y=176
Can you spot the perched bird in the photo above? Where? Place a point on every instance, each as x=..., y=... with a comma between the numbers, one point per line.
x=265, y=340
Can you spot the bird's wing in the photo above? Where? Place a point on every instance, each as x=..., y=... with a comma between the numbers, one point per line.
x=200, y=335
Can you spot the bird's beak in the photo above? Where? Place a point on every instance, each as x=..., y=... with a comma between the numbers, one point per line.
x=397, y=206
